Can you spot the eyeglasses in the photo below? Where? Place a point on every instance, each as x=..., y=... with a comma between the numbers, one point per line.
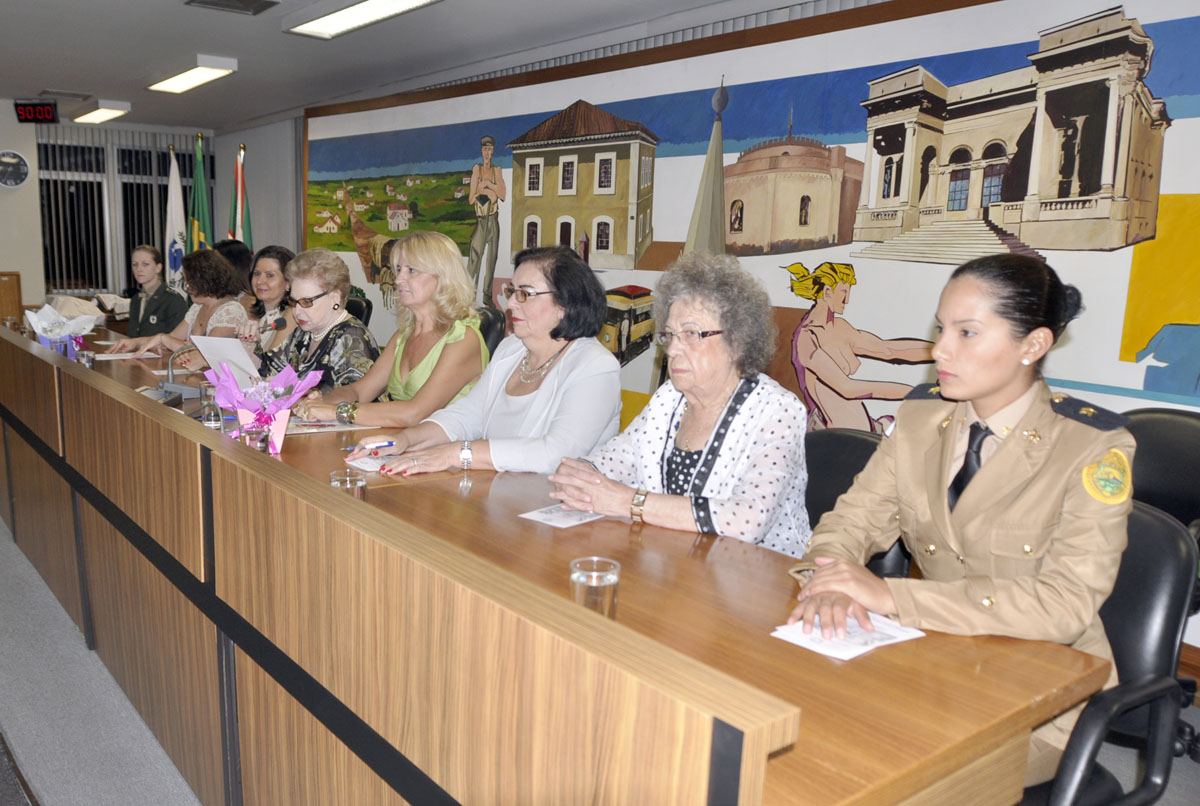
x=688, y=337
x=307, y=302
x=520, y=294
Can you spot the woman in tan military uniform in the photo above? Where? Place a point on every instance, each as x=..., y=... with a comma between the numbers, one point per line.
x=1013, y=501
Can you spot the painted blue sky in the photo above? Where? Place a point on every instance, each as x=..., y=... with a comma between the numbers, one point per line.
x=824, y=106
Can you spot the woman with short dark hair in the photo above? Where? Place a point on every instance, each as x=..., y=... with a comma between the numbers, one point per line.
x=720, y=446
x=1012, y=500
x=551, y=389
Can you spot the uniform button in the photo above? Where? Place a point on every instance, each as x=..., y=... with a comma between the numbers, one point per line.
x=1028, y=549
x=931, y=549
x=987, y=601
x=960, y=558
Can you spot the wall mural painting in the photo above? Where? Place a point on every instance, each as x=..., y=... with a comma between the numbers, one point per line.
x=880, y=176
x=827, y=352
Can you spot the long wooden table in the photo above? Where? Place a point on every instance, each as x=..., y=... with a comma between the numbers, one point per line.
x=289, y=644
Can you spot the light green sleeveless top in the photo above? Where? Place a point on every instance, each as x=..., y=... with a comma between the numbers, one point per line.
x=406, y=388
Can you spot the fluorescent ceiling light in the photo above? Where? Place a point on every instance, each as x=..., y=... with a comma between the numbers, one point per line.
x=208, y=68
x=100, y=110
x=330, y=18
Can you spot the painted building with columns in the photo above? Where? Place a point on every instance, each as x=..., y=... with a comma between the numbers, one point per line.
x=1065, y=153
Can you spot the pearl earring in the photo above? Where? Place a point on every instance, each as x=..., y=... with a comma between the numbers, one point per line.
x=1024, y=362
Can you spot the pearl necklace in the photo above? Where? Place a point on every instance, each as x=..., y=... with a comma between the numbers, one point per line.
x=316, y=337
x=528, y=375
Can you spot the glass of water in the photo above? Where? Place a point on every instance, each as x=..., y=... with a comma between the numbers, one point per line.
x=353, y=482
x=594, y=584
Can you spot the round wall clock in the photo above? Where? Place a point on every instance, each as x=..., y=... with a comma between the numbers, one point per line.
x=14, y=169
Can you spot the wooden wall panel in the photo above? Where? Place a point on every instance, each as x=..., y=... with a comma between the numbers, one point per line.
x=494, y=706
x=5, y=490
x=160, y=649
x=139, y=463
x=289, y=757
x=45, y=524
x=29, y=385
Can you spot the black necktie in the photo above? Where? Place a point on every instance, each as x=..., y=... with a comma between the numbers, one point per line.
x=971, y=463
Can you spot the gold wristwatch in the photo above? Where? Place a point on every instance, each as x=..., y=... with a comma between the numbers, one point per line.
x=638, y=504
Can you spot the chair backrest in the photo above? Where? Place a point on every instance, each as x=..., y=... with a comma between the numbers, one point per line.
x=835, y=456
x=360, y=309
x=491, y=327
x=1166, y=465
x=1147, y=611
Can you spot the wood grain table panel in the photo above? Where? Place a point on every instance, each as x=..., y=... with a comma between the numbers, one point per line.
x=289, y=757
x=878, y=729
x=494, y=688
x=29, y=385
x=45, y=524
x=5, y=489
x=160, y=649
x=140, y=456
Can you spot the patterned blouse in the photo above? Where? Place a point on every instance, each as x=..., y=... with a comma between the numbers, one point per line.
x=345, y=354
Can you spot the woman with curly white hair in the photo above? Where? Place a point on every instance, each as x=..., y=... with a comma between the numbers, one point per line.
x=720, y=447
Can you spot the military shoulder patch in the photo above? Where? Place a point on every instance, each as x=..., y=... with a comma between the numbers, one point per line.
x=1109, y=481
x=925, y=391
x=1082, y=412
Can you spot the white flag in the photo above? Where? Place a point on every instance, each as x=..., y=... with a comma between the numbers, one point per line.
x=175, y=236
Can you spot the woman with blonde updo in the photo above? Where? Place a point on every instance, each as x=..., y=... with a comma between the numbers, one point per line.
x=826, y=350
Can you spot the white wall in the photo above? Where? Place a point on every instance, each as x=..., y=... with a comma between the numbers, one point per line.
x=20, y=211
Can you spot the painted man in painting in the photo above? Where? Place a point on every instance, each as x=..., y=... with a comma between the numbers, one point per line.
x=487, y=191
x=826, y=350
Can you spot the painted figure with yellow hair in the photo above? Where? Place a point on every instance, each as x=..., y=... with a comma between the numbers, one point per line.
x=826, y=350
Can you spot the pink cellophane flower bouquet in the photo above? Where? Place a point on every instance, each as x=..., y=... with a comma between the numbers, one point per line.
x=268, y=403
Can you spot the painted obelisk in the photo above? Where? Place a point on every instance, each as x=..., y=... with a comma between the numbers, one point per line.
x=706, y=233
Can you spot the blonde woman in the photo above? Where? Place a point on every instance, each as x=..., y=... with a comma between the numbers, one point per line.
x=437, y=353
x=826, y=350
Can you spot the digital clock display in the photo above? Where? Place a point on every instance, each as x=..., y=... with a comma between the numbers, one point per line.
x=36, y=111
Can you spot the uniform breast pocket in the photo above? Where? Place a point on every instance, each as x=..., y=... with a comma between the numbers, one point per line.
x=1017, y=550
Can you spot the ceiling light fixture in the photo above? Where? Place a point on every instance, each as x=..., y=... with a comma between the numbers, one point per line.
x=329, y=18
x=208, y=68
x=100, y=110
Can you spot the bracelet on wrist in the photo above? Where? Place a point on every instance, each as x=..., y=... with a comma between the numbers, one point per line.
x=637, y=505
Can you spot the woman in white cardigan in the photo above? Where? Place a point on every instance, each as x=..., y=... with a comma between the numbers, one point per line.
x=720, y=448
x=551, y=389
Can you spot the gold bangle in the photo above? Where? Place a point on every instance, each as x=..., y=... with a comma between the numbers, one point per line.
x=637, y=505
x=352, y=414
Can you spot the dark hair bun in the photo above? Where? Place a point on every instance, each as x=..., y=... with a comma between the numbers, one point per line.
x=1072, y=305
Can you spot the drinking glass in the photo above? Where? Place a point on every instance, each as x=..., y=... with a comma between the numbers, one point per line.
x=353, y=482
x=594, y=584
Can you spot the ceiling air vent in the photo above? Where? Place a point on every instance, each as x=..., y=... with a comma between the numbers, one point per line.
x=236, y=6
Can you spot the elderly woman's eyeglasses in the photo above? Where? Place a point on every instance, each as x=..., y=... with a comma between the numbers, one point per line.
x=307, y=302
x=520, y=294
x=688, y=337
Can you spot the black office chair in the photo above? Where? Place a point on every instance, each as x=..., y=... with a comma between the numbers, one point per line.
x=835, y=456
x=360, y=309
x=1144, y=619
x=491, y=327
x=1166, y=467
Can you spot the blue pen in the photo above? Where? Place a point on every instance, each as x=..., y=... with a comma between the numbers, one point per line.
x=372, y=446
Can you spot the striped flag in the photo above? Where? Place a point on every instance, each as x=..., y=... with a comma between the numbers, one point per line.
x=175, y=234
x=239, y=205
x=199, y=220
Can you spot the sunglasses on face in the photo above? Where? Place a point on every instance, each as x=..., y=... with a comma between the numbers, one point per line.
x=520, y=294
x=307, y=302
x=687, y=337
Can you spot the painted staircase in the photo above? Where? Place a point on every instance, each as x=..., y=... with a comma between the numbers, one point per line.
x=952, y=242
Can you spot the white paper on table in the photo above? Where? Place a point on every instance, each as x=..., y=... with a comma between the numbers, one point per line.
x=371, y=464
x=218, y=350
x=560, y=518
x=857, y=640
x=177, y=374
x=117, y=356
x=107, y=343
